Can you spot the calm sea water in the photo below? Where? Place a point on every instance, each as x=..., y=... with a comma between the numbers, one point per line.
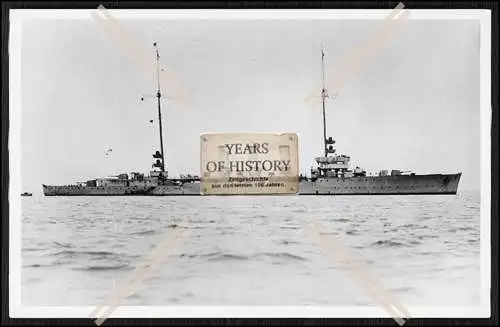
x=250, y=250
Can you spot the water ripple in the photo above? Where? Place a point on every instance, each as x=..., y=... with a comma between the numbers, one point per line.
x=249, y=250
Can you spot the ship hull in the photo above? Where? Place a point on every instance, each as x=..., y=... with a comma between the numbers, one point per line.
x=369, y=185
x=383, y=185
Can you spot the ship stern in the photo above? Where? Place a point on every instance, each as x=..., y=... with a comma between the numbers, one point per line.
x=48, y=190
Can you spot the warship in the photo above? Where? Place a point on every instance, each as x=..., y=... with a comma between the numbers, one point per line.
x=333, y=174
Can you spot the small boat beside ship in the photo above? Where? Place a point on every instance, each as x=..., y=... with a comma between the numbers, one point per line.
x=332, y=176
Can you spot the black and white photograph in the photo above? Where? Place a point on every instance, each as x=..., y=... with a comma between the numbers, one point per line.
x=249, y=163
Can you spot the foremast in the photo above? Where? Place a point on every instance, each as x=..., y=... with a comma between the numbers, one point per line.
x=329, y=165
x=324, y=95
x=327, y=142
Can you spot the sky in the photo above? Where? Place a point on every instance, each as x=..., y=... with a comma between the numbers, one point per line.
x=414, y=106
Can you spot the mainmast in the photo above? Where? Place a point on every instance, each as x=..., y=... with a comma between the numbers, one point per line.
x=158, y=96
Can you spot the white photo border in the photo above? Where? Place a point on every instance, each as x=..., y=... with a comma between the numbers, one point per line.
x=18, y=310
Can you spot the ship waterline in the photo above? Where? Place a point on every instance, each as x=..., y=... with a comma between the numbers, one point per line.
x=365, y=185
